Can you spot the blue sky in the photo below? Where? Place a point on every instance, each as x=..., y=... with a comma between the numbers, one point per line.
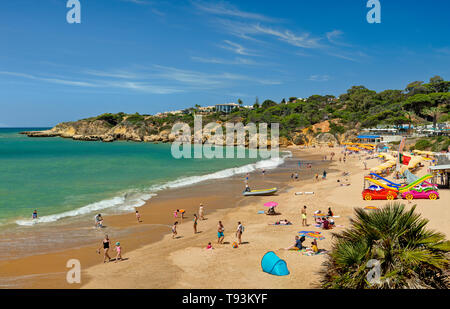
x=151, y=56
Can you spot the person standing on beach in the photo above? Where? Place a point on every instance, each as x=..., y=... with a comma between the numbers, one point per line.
x=239, y=231
x=35, y=215
x=105, y=245
x=195, y=223
x=324, y=175
x=174, y=229
x=201, y=212
x=220, y=230
x=317, y=177
x=263, y=172
x=304, y=223
x=296, y=176
x=138, y=216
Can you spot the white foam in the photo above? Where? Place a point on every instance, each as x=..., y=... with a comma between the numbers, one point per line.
x=130, y=200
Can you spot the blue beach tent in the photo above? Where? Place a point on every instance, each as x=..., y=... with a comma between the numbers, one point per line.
x=273, y=265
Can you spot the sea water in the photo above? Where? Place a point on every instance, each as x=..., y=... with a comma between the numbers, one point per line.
x=62, y=178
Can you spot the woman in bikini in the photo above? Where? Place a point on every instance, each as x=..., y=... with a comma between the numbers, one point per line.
x=105, y=245
x=195, y=223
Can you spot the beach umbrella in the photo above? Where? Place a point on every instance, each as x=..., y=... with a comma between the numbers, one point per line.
x=314, y=235
x=271, y=204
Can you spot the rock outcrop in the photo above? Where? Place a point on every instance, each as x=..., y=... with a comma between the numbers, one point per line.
x=138, y=128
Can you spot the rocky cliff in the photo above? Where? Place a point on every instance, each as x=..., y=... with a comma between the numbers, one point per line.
x=148, y=129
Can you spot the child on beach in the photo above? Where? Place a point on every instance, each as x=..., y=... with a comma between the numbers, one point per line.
x=119, y=252
x=239, y=231
x=174, y=229
x=138, y=216
x=98, y=221
x=182, y=212
x=209, y=246
x=35, y=214
x=175, y=213
x=201, y=212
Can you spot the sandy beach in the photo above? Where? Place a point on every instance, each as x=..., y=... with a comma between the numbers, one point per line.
x=152, y=259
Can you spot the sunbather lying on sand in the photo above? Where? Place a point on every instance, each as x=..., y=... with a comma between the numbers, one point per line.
x=282, y=222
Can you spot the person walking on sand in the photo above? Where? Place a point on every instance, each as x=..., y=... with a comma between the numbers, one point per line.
x=220, y=235
x=119, y=252
x=105, y=245
x=35, y=215
x=239, y=231
x=195, y=223
x=304, y=222
x=324, y=175
x=138, y=216
x=201, y=212
x=317, y=177
x=174, y=229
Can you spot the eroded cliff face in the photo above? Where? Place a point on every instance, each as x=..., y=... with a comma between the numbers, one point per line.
x=146, y=131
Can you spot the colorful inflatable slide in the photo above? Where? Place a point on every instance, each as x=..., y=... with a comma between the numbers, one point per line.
x=388, y=190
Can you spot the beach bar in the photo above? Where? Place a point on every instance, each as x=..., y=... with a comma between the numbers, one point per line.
x=441, y=175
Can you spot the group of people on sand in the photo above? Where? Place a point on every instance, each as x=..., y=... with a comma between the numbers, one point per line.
x=220, y=228
x=298, y=245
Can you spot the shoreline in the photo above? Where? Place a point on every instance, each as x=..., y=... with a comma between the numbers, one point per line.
x=150, y=231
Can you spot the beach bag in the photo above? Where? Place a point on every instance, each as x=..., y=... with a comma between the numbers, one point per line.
x=235, y=245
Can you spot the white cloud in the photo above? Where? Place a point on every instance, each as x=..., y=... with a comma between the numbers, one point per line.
x=235, y=61
x=319, y=78
x=235, y=48
x=225, y=9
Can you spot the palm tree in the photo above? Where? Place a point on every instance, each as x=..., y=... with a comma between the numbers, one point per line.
x=410, y=115
x=410, y=256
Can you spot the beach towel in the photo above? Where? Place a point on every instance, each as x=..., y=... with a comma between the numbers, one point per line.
x=311, y=253
x=279, y=224
x=260, y=212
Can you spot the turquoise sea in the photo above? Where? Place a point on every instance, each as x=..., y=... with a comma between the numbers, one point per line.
x=64, y=178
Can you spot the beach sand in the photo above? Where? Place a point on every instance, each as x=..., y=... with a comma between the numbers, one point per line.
x=154, y=260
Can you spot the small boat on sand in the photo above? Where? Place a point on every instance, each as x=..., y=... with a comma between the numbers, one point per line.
x=260, y=192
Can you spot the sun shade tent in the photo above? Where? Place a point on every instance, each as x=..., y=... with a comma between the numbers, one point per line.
x=273, y=265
